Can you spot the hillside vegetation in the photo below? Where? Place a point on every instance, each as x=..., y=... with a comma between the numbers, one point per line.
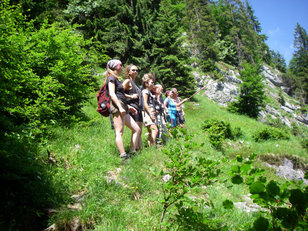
x=91, y=189
x=59, y=164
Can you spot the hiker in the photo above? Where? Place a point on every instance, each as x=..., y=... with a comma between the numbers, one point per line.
x=119, y=109
x=179, y=108
x=160, y=117
x=149, y=111
x=134, y=99
x=171, y=106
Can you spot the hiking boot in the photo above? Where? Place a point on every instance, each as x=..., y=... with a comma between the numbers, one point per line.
x=132, y=153
x=125, y=157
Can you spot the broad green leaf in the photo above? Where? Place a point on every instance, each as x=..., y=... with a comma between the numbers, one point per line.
x=261, y=224
x=257, y=187
x=235, y=169
x=245, y=168
x=228, y=204
x=239, y=158
x=237, y=179
x=272, y=188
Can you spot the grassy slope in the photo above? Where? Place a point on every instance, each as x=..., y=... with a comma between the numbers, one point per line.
x=87, y=152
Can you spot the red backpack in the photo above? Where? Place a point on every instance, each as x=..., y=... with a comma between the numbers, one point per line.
x=103, y=102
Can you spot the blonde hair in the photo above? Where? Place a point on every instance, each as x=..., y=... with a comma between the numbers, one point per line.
x=111, y=72
x=145, y=79
x=174, y=90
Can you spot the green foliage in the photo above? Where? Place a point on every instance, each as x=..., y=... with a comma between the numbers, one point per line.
x=191, y=217
x=298, y=65
x=278, y=61
x=144, y=33
x=287, y=204
x=218, y=131
x=185, y=171
x=251, y=99
x=281, y=98
x=304, y=143
x=37, y=10
x=27, y=186
x=271, y=133
x=45, y=74
x=238, y=32
x=169, y=57
x=202, y=28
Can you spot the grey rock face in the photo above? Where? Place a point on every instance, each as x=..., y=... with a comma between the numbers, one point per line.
x=226, y=91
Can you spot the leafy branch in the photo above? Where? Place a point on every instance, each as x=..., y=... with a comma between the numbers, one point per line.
x=183, y=171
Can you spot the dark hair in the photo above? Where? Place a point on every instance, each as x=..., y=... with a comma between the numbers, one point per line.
x=167, y=93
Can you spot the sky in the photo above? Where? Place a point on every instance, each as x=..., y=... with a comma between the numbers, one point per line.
x=278, y=20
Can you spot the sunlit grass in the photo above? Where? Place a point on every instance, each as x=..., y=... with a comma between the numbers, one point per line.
x=86, y=155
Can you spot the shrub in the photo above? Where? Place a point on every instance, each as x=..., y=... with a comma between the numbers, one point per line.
x=252, y=96
x=218, y=131
x=286, y=205
x=270, y=133
x=44, y=72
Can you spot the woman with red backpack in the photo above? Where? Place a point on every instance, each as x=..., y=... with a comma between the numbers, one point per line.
x=119, y=108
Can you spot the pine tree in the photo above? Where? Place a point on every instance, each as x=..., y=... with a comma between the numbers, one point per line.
x=299, y=62
x=168, y=54
x=202, y=29
x=279, y=61
x=252, y=96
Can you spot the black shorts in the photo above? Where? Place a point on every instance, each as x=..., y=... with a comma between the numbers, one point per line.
x=180, y=117
x=137, y=117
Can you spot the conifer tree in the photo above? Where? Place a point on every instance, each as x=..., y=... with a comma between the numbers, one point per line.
x=202, y=29
x=278, y=61
x=299, y=62
x=168, y=54
x=252, y=96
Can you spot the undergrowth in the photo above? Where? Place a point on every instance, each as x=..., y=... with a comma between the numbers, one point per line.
x=88, y=188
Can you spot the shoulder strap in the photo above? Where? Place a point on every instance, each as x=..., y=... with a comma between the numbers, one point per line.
x=139, y=92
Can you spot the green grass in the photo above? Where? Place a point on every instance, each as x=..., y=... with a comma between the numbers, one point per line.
x=86, y=153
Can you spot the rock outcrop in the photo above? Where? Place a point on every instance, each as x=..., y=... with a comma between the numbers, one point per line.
x=226, y=90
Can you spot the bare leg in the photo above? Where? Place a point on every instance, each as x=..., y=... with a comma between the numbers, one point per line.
x=119, y=128
x=139, y=140
x=132, y=125
x=153, y=130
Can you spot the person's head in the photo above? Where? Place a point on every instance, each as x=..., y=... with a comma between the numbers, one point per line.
x=167, y=93
x=147, y=82
x=131, y=71
x=114, y=67
x=175, y=92
x=155, y=90
x=159, y=88
x=152, y=77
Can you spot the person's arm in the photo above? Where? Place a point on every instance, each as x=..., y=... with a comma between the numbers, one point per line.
x=127, y=86
x=180, y=103
x=165, y=106
x=114, y=98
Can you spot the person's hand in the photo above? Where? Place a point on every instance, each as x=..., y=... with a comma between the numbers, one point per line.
x=135, y=96
x=186, y=99
x=122, y=111
x=153, y=117
x=132, y=110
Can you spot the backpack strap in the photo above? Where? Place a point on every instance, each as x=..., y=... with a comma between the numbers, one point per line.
x=140, y=96
x=110, y=115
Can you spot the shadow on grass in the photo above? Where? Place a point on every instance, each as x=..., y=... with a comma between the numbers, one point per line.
x=26, y=190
